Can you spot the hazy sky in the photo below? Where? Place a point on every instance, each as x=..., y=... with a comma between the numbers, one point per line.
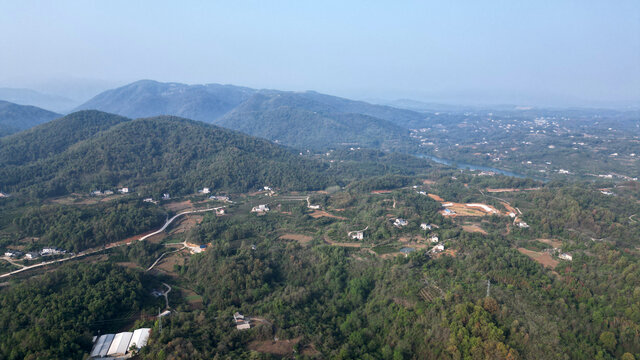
x=454, y=51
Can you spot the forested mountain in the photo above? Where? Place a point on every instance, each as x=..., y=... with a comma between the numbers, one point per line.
x=147, y=98
x=14, y=117
x=296, y=120
x=163, y=154
x=299, y=119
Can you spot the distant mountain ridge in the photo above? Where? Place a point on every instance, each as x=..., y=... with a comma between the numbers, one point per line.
x=299, y=119
x=15, y=118
x=34, y=98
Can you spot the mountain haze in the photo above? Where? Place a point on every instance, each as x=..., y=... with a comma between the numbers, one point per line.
x=299, y=119
x=15, y=118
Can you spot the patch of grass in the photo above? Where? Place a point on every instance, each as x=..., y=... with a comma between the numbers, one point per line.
x=385, y=249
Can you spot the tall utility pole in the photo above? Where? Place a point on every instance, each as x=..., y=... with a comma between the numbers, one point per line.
x=488, y=287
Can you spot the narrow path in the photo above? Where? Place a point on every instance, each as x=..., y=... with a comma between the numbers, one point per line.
x=631, y=218
x=161, y=256
x=166, y=294
x=108, y=246
x=13, y=262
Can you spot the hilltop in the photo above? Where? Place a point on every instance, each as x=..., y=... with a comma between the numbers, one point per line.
x=299, y=119
x=15, y=118
x=89, y=150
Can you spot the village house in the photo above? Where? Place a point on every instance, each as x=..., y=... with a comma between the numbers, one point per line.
x=314, y=207
x=565, y=256
x=220, y=212
x=166, y=197
x=124, y=190
x=260, y=209
x=434, y=239
x=96, y=193
x=523, y=224
x=241, y=322
x=51, y=251
x=108, y=192
x=32, y=255
x=12, y=253
x=357, y=235
x=438, y=248
x=425, y=226
x=205, y=190
x=448, y=212
x=148, y=200
x=400, y=222
x=219, y=198
x=2, y=195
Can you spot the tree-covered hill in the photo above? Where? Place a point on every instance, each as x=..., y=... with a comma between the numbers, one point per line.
x=298, y=119
x=304, y=123
x=155, y=155
x=14, y=117
x=147, y=98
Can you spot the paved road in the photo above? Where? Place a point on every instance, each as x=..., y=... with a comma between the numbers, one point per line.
x=108, y=246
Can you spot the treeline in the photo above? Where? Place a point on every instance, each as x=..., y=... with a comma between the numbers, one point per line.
x=76, y=228
x=55, y=315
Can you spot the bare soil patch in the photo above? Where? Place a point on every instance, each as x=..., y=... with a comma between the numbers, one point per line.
x=187, y=223
x=280, y=347
x=436, y=197
x=381, y=192
x=302, y=239
x=541, y=257
x=473, y=228
x=320, y=213
x=179, y=206
x=553, y=242
x=167, y=262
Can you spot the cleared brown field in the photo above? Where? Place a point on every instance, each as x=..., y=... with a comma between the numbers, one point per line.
x=320, y=213
x=280, y=347
x=436, y=197
x=302, y=239
x=541, y=257
x=473, y=228
x=553, y=242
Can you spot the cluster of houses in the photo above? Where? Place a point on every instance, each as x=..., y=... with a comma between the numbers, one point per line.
x=241, y=322
x=47, y=251
x=399, y=222
x=124, y=344
x=124, y=190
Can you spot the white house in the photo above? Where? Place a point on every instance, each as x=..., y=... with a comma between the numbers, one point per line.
x=108, y=192
x=267, y=188
x=149, y=200
x=523, y=224
x=32, y=255
x=357, y=235
x=220, y=212
x=12, y=253
x=565, y=256
x=51, y=251
x=425, y=226
x=260, y=209
x=434, y=239
x=438, y=248
x=166, y=197
x=124, y=190
x=314, y=207
x=400, y=222
x=206, y=190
